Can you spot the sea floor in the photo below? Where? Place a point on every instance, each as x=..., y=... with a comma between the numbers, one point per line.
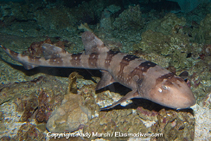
x=34, y=102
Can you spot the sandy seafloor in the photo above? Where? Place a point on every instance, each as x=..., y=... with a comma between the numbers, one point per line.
x=159, y=36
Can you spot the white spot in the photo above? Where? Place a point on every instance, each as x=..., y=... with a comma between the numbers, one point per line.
x=160, y=90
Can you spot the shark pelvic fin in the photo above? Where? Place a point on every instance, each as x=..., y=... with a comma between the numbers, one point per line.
x=106, y=80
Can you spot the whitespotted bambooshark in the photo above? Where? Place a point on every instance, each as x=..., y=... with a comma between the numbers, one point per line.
x=145, y=79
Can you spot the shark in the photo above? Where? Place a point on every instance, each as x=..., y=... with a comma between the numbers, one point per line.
x=145, y=79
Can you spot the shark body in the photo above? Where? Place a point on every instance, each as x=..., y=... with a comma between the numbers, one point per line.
x=145, y=79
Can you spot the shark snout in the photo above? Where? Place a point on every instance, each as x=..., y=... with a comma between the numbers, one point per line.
x=184, y=97
x=186, y=103
x=175, y=95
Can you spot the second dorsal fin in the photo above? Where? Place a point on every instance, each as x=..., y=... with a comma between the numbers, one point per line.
x=93, y=44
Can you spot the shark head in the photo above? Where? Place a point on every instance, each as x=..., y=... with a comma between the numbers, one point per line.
x=172, y=91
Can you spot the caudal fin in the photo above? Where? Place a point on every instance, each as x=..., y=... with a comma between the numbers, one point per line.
x=19, y=57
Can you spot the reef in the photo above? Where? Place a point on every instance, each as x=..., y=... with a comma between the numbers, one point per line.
x=75, y=110
x=129, y=19
x=166, y=24
x=66, y=108
x=29, y=107
x=39, y=101
x=175, y=46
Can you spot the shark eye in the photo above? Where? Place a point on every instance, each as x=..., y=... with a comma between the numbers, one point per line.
x=164, y=87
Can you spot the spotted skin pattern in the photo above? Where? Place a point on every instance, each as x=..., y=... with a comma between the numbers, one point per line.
x=145, y=79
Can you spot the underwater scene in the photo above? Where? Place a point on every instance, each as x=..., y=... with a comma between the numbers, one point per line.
x=105, y=70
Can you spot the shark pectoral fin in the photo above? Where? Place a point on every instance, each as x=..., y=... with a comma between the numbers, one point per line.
x=106, y=80
x=92, y=43
x=129, y=95
x=52, y=51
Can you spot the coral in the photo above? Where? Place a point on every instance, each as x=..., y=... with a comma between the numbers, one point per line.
x=72, y=113
x=106, y=23
x=129, y=19
x=44, y=107
x=200, y=78
x=106, y=18
x=200, y=32
x=88, y=94
x=176, y=46
x=112, y=9
x=14, y=11
x=173, y=125
x=166, y=24
x=146, y=114
x=33, y=101
x=27, y=105
x=114, y=121
x=69, y=116
x=27, y=102
x=18, y=18
x=59, y=17
x=204, y=30
x=16, y=90
x=129, y=122
x=29, y=132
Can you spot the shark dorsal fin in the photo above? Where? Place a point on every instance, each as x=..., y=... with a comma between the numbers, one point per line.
x=93, y=44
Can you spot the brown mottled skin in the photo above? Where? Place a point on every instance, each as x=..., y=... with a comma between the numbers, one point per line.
x=144, y=78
